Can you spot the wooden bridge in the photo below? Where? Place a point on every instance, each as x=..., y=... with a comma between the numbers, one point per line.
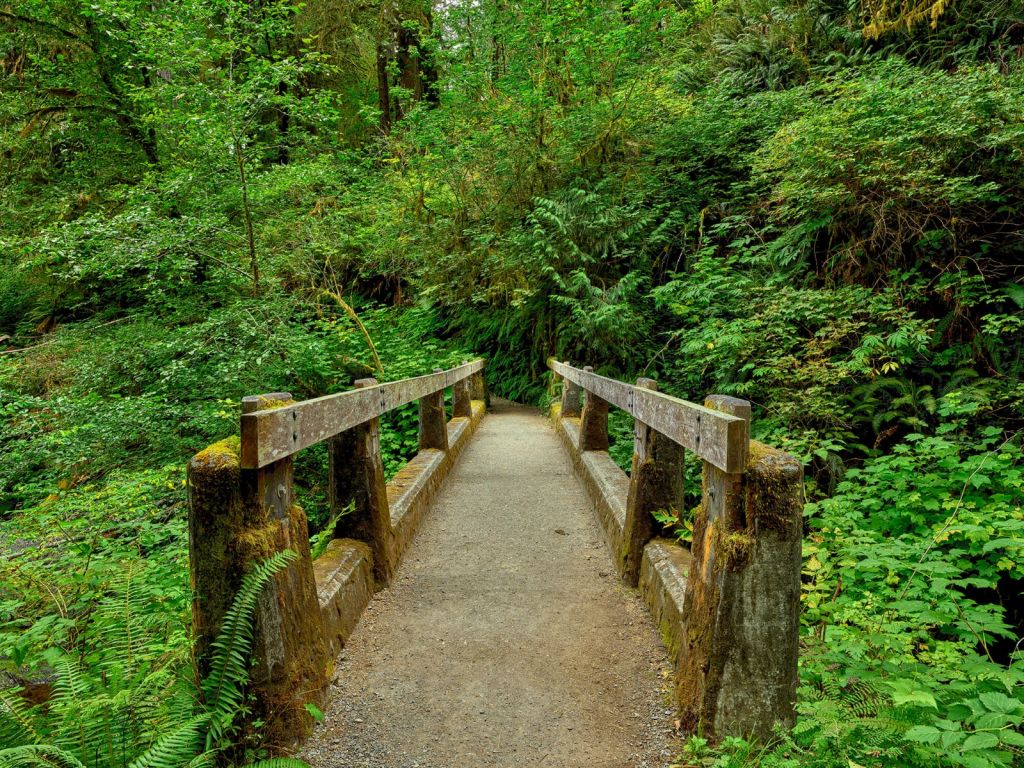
x=726, y=612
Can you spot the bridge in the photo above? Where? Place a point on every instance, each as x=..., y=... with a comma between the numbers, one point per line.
x=506, y=598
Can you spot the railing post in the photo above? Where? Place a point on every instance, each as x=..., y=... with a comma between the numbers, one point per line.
x=357, y=476
x=738, y=662
x=594, y=421
x=461, y=405
x=478, y=388
x=655, y=483
x=237, y=518
x=570, y=398
x=433, y=421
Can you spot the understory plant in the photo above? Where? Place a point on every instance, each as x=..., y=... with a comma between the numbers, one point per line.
x=125, y=697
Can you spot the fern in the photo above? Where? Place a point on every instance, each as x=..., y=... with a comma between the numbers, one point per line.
x=16, y=725
x=223, y=689
x=141, y=714
x=168, y=750
x=33, y=755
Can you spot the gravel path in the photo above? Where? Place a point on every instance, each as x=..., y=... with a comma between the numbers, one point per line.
x=507, y=639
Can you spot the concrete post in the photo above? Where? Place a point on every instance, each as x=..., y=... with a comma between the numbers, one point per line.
x=461, y=405
x=593, y=422
x=655, y=484
x=478, y=388
x=570, y=398
x=738, y=660
x=239, y=517
x=433, y=421
x=357, y=476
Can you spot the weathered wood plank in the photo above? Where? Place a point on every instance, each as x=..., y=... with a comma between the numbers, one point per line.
x=271, y=435
x=716, y=437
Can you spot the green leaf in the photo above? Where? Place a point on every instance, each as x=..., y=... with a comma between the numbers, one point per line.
x=982, y=740
x=999, y=702
x=923, y=734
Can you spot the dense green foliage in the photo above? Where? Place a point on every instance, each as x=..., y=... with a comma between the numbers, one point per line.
x=809, y=204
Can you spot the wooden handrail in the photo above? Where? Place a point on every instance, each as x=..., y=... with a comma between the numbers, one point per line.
x=716, y=437
x=273, y=434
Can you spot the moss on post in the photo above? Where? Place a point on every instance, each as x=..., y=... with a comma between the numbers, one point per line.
x=738, y=663
x=238, y=517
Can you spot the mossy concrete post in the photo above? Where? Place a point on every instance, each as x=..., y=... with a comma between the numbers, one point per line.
x=461, y=405
x=570, y=398
x=478, y=388
x=655, y=484
x=238, y=518
x=357, y=477
x=738, y=661
x=433, y=421
x=594, y=421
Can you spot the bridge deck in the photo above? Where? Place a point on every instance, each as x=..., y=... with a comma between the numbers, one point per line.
x=506, y=639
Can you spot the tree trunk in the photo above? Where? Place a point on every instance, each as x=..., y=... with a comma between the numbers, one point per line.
x=383, y=89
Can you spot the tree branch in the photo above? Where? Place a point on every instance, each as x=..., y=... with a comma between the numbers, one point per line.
x=43, y=24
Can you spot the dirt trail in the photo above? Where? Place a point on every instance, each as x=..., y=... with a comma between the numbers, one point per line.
x=507, y=639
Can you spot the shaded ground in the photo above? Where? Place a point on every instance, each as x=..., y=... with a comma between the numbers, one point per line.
x=506, y=639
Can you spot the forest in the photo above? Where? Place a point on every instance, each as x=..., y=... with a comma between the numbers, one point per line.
x=815, y=205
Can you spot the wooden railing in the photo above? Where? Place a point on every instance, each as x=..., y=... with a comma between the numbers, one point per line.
x=717, y=436
x=242, y=510
x=278, y=431
x=729, y=610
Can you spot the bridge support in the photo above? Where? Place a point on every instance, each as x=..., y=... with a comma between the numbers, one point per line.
x=237, y=518
x=433, y=422
x=655, y=485
x=462, y=405
x=357, y=477
x=242, y=511
x=740, y=635
x=594, y=422
x=729, y=611
x=570, y=398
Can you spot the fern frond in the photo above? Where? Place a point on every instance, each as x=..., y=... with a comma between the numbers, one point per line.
x=223, y=689
x=16, y=725
x=279, y=762
x=174, y=749
x=70, y=685
x=35, y=755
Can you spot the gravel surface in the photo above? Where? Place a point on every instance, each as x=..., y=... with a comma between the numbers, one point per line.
x=506, y=639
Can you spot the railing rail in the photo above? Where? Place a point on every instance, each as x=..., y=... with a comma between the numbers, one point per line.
x=716, y=437
x=275, y=433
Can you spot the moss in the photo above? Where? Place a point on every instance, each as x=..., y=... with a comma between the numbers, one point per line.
x=736, y=550
x=772, y=488
x=257, y=544
x=264, y=403
x=219, y=456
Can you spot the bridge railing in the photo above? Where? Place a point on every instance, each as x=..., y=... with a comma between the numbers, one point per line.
x=729, y=608
x=242, y=510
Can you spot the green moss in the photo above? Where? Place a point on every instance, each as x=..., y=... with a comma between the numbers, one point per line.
x=770, y=502
x=736, y=550
x=272, y=403
x=221, y=455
